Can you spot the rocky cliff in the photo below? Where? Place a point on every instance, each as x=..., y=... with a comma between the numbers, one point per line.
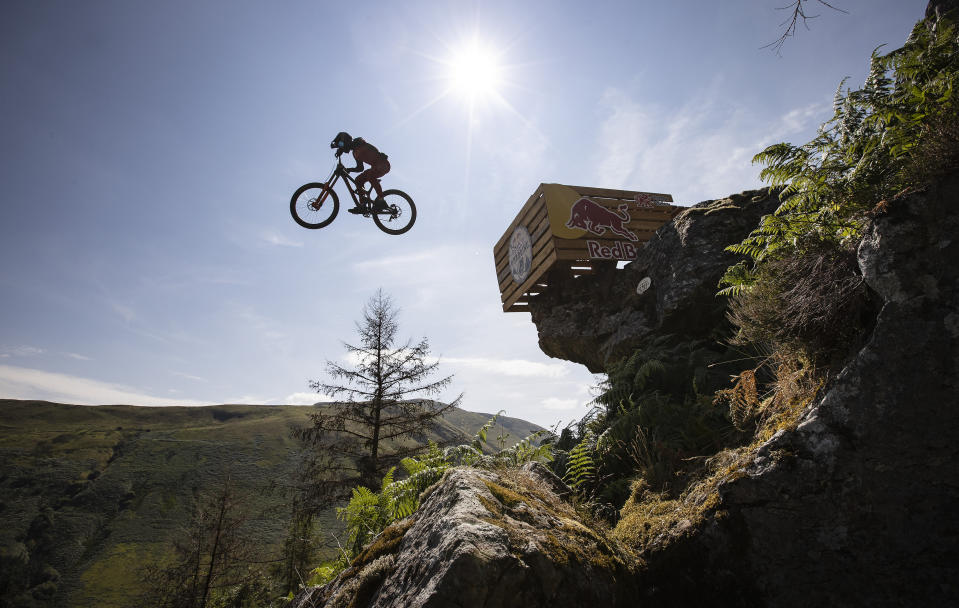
x=854, y=505
x=597, y=319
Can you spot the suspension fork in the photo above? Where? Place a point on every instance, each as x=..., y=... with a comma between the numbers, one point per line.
x=330, y=181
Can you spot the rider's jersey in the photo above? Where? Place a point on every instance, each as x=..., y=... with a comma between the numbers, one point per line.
x=365, y=152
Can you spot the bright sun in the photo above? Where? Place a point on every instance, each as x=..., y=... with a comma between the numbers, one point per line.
x=474, y=71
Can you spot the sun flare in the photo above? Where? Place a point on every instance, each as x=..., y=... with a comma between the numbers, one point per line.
x=474, y=71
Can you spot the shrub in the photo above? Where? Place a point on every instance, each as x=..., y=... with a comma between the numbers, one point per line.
x=813, y=304
x=896, y=132
x=654, y=419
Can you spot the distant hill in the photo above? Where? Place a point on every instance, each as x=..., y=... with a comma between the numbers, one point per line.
x=98, y=491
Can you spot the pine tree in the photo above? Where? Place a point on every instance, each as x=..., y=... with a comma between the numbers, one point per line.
x=299, y=548
x=213, y=553
x=357, y=440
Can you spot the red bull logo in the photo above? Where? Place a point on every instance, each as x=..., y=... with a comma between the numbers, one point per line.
x=593, y=217
x=619, y=250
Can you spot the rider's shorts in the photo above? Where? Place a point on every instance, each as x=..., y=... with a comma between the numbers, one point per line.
x=376, y=171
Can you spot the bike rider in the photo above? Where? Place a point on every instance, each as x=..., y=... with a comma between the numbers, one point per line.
x=363, y=152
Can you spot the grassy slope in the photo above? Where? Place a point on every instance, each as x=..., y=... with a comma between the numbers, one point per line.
x=121, y=479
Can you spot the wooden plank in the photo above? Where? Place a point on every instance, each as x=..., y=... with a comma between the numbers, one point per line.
x=569, y=255
x=540, y=266
x=536, y=220
x=635, y=226
x=530, y=206
x=567, y=252
x=606, y=239
x=506, y=279
x=530, y=203
x=503, y=273
x=521, y=289
x=621, y=194
x=505, y=276
x=517, y=307
x=650, y=215
x=541, y=226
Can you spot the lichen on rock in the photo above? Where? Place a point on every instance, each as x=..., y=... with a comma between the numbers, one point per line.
x=487, y=538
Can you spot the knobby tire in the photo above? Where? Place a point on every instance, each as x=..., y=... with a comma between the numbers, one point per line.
x=303, y=205
x=402, y=205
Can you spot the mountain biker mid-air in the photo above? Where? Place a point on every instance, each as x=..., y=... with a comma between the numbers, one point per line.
x=363, y=152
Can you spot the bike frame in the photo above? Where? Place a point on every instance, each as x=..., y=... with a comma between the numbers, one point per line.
x=340, y=171
x=393, y=212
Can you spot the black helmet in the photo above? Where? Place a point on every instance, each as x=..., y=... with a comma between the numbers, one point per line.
x=341, y=142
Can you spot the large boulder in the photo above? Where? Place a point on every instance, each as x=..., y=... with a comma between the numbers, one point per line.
x=485, y=538
x=856, y=506
x=599, y=318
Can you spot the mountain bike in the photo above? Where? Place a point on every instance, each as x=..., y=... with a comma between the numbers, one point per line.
x=316, y=204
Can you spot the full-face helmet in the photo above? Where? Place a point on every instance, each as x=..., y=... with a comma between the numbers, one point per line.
x=341, y=142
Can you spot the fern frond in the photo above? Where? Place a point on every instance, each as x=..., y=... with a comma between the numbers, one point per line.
x=480, y=438
x=580, y=468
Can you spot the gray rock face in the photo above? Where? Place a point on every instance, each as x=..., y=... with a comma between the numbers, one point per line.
x=856, y=507
x=485, y=539
x=596, y=319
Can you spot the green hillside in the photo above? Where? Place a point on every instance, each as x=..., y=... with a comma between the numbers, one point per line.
x=94, y=494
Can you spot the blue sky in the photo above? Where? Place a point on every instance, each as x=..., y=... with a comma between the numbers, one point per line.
x=149, y=150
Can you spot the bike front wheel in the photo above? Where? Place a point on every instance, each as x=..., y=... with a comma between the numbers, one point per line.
x=314, y=205
x=399, y=215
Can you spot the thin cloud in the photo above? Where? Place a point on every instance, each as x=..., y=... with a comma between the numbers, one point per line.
x=800, y=119
x=554, y=403
x=189, y=376
x=21, y=351
x=701, y=150
x=510, y=367
x=126, y=312
x=26, y=383
x=249, y=400
x=305, y=398
x=78, y=356
x=404, y=261
x=265, y=326
x=278, y=239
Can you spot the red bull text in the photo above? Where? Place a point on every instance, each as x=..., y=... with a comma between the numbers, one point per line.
x=619, y=250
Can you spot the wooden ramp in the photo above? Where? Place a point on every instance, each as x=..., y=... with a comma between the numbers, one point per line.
x=573, y=230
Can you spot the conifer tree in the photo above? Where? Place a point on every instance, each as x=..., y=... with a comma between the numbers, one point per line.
x=212, y=555
x=299, y=549
x=384, y=387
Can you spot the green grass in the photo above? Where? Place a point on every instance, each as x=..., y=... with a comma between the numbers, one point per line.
x=121, y=480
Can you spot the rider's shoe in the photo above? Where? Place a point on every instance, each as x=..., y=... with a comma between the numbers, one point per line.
x=358, y=209
x=380, y=205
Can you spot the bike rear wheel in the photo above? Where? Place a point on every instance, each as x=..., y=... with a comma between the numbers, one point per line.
x=314, y=205
x=399, y=215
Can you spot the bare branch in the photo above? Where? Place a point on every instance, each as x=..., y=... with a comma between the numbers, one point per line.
x=798, y=15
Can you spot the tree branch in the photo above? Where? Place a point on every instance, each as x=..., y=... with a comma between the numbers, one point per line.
x=798, y=14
